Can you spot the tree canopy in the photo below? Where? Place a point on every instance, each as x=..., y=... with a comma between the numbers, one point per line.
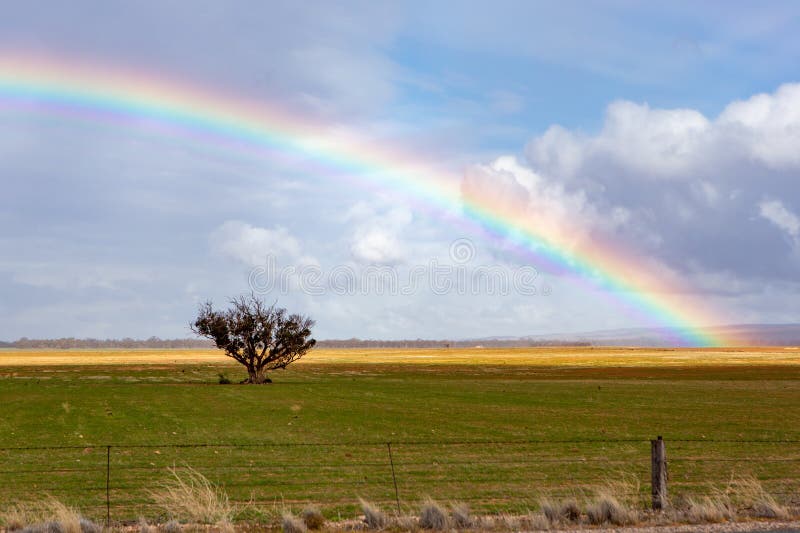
x=260, y=337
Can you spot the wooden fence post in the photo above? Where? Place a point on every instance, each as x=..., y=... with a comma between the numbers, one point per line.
x=658, y=478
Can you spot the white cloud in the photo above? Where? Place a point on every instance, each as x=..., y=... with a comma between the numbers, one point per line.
x=776, y=212
x=251, y=245
x=655, y=142
x=668, y=184
x=377, y=235
x=679, y=143
x=766, y=126
x=560, y=214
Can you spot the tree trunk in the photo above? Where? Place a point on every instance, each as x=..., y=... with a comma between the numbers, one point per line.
x=257, y=376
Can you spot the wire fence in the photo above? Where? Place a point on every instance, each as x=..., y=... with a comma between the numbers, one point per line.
x=116, y=481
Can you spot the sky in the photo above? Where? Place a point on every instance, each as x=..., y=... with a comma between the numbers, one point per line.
x=671, y=131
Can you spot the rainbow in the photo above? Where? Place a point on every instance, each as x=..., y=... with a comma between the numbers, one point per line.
x=107, y=93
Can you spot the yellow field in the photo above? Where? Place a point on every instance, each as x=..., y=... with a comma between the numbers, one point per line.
x=550, y=356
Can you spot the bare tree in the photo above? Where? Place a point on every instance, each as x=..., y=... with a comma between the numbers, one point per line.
x=260, y=337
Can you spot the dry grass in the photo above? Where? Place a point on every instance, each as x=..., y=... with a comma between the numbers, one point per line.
x=548, y=356
x=607, y=509
x=566, y=510
x=433, y=516
x=406, y=523
x=747, y=493
x=709, y=509
x=536, y=522
x=47, y=514
x=189, y=495
x=374, y=517
x=172, y=527
x=144, y=527
x=462, y=517
x=312, y=517
x=291, y=524
x=615, y=503
x=509, y=522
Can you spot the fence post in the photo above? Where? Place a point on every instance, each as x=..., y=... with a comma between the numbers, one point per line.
x=108, y=486
x=658, y=478
x=394, y=478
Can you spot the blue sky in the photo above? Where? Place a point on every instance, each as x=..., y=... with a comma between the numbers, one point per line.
x=643, y=124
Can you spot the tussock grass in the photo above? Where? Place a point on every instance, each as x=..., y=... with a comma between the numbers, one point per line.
x=615, y=503
x=433, y=516
x=406, y=523
x=536, y=522
x=172, y=527
x=748, y=493
x=47, y=515
x=374, y=517
x=607, y=509
x=145, y=527
x=312, y=517
x=566, y=510
x=508, y=521
x=291, y=524
x=461, y=515
x=188, y=495
x=226, y=527
x=709, y=509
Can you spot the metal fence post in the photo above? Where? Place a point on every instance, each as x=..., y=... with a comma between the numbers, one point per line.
x=108, y=486
x=394, y=477
x=658, y=470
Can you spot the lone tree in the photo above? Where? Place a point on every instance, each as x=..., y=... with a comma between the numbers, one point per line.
x=260, y=337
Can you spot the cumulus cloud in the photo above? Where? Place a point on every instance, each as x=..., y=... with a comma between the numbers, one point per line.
x=561, y=214
x=671, y=185
x=251, y=245
x=679, y=143
x=766, y=126
x=377, y=235
x=776, y=212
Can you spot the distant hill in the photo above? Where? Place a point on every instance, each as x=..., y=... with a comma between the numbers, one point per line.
x=757, y=335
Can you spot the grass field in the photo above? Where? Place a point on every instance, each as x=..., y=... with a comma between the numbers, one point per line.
x=498, y=428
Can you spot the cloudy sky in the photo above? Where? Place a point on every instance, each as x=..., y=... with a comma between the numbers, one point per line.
x=672, y=131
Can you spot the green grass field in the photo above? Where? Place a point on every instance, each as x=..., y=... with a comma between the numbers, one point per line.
x=499, y=434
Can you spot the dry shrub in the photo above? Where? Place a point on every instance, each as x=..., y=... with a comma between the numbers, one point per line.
x=462, y=518
x=374, y=517
x=433, y=516
x=292, y=524
x=748, y=494
x=564, y=510
x=190, y=496
x=312, y=517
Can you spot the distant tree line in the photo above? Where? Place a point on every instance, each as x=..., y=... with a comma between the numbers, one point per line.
x=165, y=344
x=428, y=343
x=68, y=343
